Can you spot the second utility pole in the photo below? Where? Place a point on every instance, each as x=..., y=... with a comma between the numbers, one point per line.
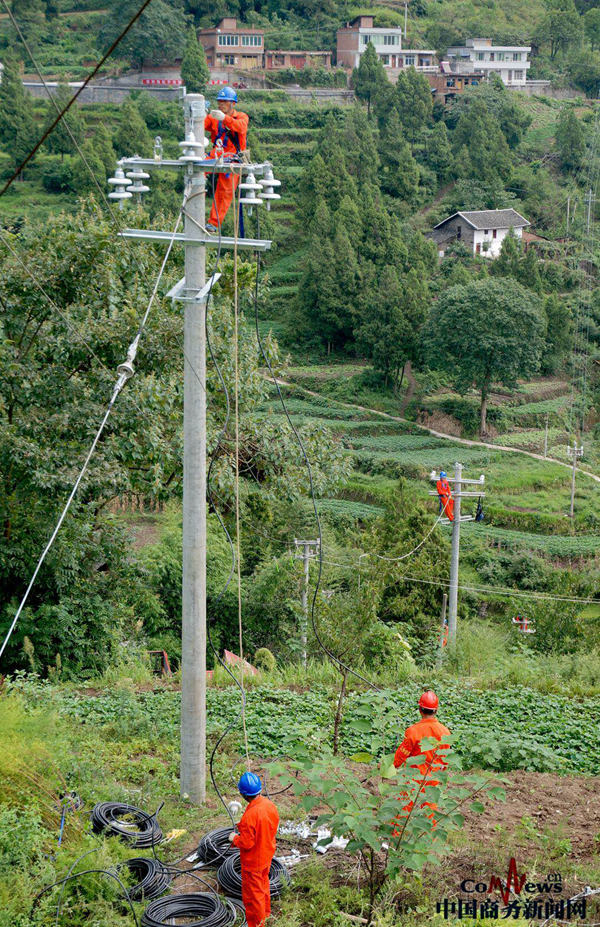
x=307, y=547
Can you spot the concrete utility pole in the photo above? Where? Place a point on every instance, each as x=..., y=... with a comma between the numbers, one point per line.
x=193, y=291
x=442, y=628
x=546, y=436
x=574, y=453
x=307, y=550
x=458, y=493
x=589, y=199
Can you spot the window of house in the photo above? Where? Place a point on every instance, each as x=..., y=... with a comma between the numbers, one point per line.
x=364, y=39
x=228, y=59
x=459, y=232
x=486, y=231
x=518, y=75
x=390, y=40
x=500, y=56
x=385, y=59
x=491, y=56
x=252, y=40
x=494, y=233
x=478, y=249
x=409, y=61
x=481, y=56
x=228, y=39
x=516, y=56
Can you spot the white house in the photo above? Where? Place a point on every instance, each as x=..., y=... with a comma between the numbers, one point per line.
x=510, y=62
x=483, y=231
x=352, y=41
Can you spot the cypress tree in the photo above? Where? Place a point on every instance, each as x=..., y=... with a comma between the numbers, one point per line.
x=18, y=132
x=132, y=136
x=194, y=68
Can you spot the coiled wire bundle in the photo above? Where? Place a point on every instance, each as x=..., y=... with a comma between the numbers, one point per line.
x=208, y=909
x=215, y=846
x=131, y=824
x=229, y=876
x=153, y=878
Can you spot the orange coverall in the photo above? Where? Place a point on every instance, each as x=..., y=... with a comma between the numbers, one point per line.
x=445, y=494
x=256, y=843
x=232, y=131
x=411, y=746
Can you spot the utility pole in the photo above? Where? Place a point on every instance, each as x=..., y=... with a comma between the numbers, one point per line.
x=442, y=629
x=405, y=20
x=589, y=199
x=546, y=437
x=568, y=214
x=193, y=291
x=458, y=493
x=574, y=453
x=307, y=550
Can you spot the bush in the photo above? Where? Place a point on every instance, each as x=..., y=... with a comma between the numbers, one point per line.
x=58, y=176
x=264, y=660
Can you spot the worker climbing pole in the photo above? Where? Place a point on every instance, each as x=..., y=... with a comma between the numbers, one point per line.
x=228, y=131
x=445, y=494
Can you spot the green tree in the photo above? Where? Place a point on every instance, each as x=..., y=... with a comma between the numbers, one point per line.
x=400, y=172
x=158, y=35
x=103, y=146
x=390, y=327
x=369, y=77
x=583, y=67
x=439, y=152
x=194, y=68
x=508, y=261
x=18, y=133
x=558, y=334
x=560, y=29
x=591, y=24
x=413, y=100
x=501, y=103
x=83, y=182
x=60, y=141
x=489, y=331
x=132, y=137
x=570, y=140
x=481, y=150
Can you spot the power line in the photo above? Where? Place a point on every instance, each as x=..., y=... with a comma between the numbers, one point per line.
x=60, y=115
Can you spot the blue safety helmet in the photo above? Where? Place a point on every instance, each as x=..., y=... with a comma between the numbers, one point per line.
x=227, y=93
x=443, y=474
x=250, y=785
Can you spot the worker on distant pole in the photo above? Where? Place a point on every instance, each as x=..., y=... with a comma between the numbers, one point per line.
x=256, y=843
x=428, y=726
x=228, y=130
x=445, y=494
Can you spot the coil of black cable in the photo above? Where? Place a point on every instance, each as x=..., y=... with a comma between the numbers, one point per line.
x=152, y=878
x=215, y=846
x=131, y=824
x=229, y=876
x=208, y=909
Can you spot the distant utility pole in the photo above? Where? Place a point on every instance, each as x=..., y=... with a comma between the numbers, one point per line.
x=457, y=494
x=589, y=199
x=307, y=548
x=193, y=291
x=574, y=453
x=405, y=19
x=546, y=437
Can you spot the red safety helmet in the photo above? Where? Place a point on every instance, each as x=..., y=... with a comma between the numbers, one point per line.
x=429, y=700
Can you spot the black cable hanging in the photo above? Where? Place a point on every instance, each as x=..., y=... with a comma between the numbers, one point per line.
x=329, y=653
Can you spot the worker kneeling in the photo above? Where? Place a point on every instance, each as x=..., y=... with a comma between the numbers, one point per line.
x=228, y=130
x=256, y=843
x=445, y=494
x=427, y=727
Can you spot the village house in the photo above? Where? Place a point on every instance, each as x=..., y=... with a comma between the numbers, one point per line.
x=274, y=60
x=227, y=46
x=482, y=231
x=510, y=62
x=352, y=41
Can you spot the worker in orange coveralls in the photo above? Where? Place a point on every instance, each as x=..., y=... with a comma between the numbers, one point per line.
x=428, y=726
x=445, y=494
x=256, y=843
x=229, y=127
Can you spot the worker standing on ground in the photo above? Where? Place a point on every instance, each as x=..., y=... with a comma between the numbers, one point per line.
x=256, y=843
x=445, y=494
x=228, y=130
x=428, y=726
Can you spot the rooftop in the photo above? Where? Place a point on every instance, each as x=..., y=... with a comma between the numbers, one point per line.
x=490, y=219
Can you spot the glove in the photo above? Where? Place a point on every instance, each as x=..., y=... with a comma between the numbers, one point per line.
x=217, y=114
x=231, y=836
x=207, y=105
